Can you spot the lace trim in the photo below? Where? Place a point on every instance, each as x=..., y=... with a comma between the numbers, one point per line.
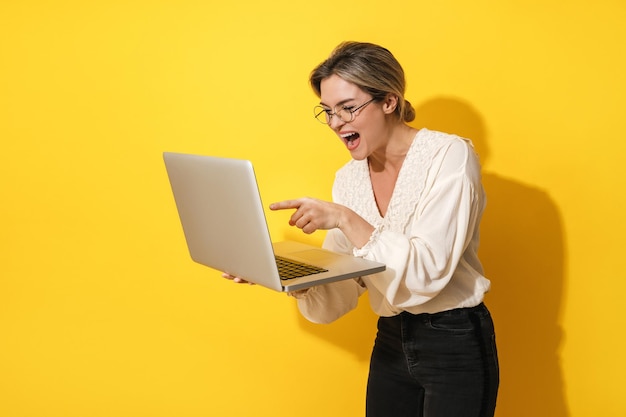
x=353, y=186
x=361, y=252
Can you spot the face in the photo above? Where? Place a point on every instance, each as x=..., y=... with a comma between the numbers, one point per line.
x=367, y=132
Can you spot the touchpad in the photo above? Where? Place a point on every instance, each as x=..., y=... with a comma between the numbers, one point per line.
x=314, y=254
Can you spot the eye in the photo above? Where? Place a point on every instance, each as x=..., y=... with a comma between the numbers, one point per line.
x=346, y=114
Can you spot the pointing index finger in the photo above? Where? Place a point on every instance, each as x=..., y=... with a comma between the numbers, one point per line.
x=286, y=204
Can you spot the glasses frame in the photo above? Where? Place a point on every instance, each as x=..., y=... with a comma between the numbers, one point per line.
x=318, y=110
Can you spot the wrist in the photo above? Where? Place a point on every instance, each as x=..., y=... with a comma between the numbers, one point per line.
x=354, y=227
x=342, y=218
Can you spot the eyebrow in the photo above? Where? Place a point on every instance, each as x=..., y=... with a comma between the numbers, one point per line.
x=342, y=102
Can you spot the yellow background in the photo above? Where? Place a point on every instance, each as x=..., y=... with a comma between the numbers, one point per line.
x=102, y=313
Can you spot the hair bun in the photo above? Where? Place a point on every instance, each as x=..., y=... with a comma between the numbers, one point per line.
x=409, y=111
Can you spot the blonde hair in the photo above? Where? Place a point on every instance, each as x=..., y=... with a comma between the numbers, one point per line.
x=372, y=68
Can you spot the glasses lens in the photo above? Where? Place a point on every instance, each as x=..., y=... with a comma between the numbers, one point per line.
x=321, y=114
x=345, y=115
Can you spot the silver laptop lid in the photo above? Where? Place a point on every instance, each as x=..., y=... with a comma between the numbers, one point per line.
x=225, y=229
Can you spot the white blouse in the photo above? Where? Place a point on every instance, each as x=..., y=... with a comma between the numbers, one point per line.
x=428, y=238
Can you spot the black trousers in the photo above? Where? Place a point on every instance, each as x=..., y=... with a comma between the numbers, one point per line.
x=434, y=365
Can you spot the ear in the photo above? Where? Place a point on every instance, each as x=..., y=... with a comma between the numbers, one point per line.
x=390, y=103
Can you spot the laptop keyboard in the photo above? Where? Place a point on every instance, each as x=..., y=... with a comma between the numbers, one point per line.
x=290, y=269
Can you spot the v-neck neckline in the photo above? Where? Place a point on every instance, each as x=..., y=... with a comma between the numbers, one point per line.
x=397, y=185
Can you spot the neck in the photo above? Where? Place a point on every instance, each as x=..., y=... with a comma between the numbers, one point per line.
x=391, y=156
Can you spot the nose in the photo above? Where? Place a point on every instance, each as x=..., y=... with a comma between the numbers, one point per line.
x=335, y=122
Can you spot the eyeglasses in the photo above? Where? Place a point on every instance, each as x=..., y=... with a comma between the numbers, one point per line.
x=345, y=113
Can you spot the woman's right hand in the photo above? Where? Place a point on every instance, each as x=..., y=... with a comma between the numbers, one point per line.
x=295, y=294
x=236, y=279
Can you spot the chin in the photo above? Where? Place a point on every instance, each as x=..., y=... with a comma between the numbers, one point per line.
x=357, y=156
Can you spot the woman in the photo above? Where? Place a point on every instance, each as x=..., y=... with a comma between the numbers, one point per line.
x=413, y=200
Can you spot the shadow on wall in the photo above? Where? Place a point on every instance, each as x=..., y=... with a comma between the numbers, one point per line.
x=523, y=255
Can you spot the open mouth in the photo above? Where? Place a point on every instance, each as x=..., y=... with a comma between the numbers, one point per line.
x=351, y=139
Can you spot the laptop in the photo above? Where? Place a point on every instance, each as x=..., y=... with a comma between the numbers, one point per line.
x=224, y=225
